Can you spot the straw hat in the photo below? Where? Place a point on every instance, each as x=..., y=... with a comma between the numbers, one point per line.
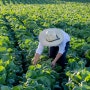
x=51, y=37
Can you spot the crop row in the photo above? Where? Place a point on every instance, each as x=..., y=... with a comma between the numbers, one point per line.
x=19, y=57
x=19, y=29
x=8, y=68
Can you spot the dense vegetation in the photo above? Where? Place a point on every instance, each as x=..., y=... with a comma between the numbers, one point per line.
x=20, y=24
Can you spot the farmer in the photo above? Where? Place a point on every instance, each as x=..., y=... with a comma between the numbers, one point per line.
x=58, y=41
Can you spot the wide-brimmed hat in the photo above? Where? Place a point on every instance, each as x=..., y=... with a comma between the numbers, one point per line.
x=51, y=37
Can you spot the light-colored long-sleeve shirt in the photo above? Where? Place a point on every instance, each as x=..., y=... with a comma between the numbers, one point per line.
x=62, y=45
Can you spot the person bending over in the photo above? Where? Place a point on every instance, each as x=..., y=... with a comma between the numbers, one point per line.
x=58, y=42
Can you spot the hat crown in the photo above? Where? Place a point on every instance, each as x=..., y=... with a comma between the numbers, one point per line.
x=50, y=35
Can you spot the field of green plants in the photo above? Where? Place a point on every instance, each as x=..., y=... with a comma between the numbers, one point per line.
x=21, y=21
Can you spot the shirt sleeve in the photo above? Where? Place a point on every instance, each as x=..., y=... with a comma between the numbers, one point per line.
x=62, y=47
x=40, y=48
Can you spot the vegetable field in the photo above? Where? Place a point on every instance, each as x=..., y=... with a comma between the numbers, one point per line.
x=20, y=24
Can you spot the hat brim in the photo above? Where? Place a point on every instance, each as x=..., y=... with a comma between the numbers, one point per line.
x=42, y=37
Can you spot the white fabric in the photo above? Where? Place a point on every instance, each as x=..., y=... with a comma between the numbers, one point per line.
x=40, y=48
x=62, y=45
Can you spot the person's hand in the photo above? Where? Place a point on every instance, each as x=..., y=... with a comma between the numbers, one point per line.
x=34, y=62
x=35, y=59
x=53, y=63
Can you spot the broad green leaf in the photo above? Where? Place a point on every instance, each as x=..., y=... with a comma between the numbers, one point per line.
x=2, y=68
x=85, y=87
x=32, y=67
x=3, y=78
x=44, y=80
x=1, y=61
x=29, y=88
x=2, y=49
x=31, y=74
x=18, y=87
x=38, y=66
x=0, y=43
x=5, y=88
x=40, y=87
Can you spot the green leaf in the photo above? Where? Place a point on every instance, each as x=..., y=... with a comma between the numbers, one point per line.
x=2, y=49
x=32, y=67
x=88, y=39
x=87, y=54
x=3, y=78
x=87, y=78
x=19, y=87
x=85, y=87
x=31, y=74
x=2, y=68
x=32, y=82
x=77, y=88
x=40, y=87
x=5, y=88
x=29, y=88
x=44, y=80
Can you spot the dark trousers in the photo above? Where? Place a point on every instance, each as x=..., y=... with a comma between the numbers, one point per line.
x=62, y=60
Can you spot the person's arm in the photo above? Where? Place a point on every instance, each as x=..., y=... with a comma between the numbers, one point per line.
x=36, y=58
x=39, y=51
x=59, y=54
x=56, y=59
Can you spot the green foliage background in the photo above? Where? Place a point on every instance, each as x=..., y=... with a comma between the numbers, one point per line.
x=20, y=24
